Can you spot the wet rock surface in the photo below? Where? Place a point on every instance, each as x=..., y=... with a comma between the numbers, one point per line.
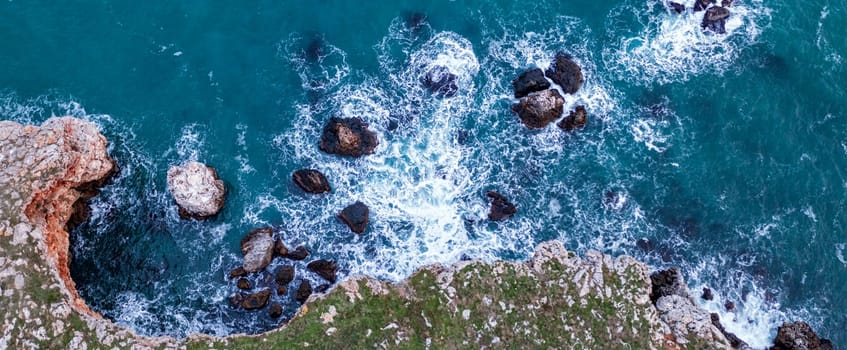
x=311, y=181
x=256, y=300
x=197, y=190
x=576, y=119
x=440, y=82
x=285, y=274
x=501, y=208
x=299, y=253
x=530, y=81
x=799, y=336
x=666, y=283
x=324, y=268
x=566, y=73
x=257, y=247
x=715, y=19
x=356, y=216
x=539, y=109
x=348, y=137
x=304, y=290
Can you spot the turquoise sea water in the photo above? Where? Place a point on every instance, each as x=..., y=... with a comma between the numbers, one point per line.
x=728, y=153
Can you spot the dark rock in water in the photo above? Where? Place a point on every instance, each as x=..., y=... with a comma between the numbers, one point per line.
x=464, y=257
x=279, y=248
x=324, y=268
x=236, y=299
x=734, y=340
x=237, y=272
x=566, y=73
x=576, y=119
x=715, y=19
x=539, y=108
x=256, y=300
x=322, y=288
x=501, y=208
x=284, y=274
x=393, y=125
x=614, y=200
x=315, y=50
x=299, y=253
x=356, y=216
x=303, y=291
x=726, y=3
x=676, y=7
x=275, y=311
x=729, y=305
x=530, y=81
x=311, y=181
x=707, y=294
x=440, y=82
x=415, y=21
x=799, y=335
x=281, y=290
x=462, y=137
x=644, y=244
x=667, y=282
x=257, y=248
x=701, y=5
x=244, y=283
x=348, y=137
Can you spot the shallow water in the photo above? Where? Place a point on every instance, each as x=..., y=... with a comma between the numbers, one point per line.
x=726, y=152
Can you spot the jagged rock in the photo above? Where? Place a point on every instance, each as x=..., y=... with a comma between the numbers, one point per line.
x=440, y=82
x=715, y=19
x=285, y=274
x=700, y=5
x=576, y=119
x=539, y=109
x=324, y=268
x=303, y=291
x=799, y=336
x=257, y=248
x=676, y=7
x=299, y=253
x=530, y=81
x=566, y=73
x=279, y=248
x=197, y=190
x=243, y=283
x=348, y=137
x=707, y=294
x=734, y=340
x=275, y=311
x=311, y=181
x=501, y=208
x=256, y=300
x=237, y=272
x=667, y=282
x=356, y=216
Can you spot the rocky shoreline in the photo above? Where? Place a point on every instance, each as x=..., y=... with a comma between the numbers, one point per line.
x=556, y=299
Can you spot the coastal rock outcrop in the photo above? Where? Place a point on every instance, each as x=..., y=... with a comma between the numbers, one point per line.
x=539, y=109
x=348, y=137
x=799, y=336
x=324, y=268
x=715, y=19
x=501, y=207
x=576, y=119
x=530, y=81
x=566, y=73
x=356, y=216
x=256, y=300
x=311, y=181
x=197, y=190
x=258, y=249
x=440, y=82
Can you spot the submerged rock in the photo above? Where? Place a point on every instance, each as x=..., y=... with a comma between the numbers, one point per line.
x=256, y=300
x=299, y=253
x=539, y=108
x=257, y=248
x=303, y=291
x=275, y=311
x=197, y=190
x=530, y=81
x=243, y=283
x=348, y=137
x=501, y=208
x=284, y=274
x=566, y=73
x=324, y=268
x=667, y=282
x=715, y=19
x=576, y=119
x=676, y=7
x=356, y=216
x=440, y=82
x=797, y=336
x=311, y=181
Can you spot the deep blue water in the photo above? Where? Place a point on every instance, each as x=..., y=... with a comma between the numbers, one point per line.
x=728, y=152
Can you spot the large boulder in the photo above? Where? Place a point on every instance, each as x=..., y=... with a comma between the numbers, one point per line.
x=348, y=137
x=303, y=291
x=501, y=208
x=797, y=336
x=311, y=181
x=258, y=249
x=299, y=253
x=576, y=119
x=440, y=82
x=530, y=81
x=324, y=268
x=667, y=282
x=256, y=300
x=285, y=274
x=356, y=216
x=198, y=191
x=715, y=19
x=566, y=73
x=539, y=108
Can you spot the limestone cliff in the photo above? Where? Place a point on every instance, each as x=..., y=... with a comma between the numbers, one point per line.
x=554, y=300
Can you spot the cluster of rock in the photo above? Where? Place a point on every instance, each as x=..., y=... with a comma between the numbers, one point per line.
x=539, y=105
x=715, y=17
